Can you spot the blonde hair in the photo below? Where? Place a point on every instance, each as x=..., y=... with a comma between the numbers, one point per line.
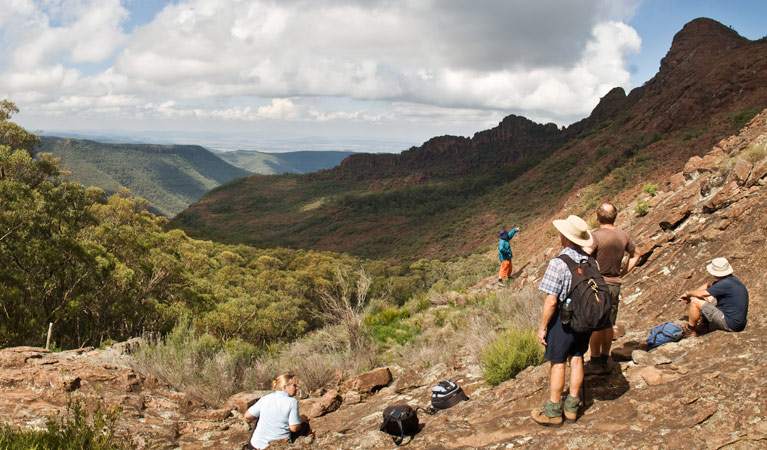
x=284, y=380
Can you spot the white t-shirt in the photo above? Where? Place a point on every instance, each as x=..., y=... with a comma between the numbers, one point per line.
x=276, y=412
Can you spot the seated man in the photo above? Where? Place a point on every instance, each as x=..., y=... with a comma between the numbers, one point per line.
x=723, y=303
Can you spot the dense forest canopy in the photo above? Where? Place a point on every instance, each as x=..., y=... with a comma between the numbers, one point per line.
x=104, y=267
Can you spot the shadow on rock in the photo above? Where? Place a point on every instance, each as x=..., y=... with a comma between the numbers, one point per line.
x=604, y=387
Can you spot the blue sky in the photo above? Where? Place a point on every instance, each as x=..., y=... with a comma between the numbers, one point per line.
x=235, y=74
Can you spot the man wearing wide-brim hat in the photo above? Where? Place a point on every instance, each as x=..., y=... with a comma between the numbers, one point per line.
x=722, y=303
x=562, y=343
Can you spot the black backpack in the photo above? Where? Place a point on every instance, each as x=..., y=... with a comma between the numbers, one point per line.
x=590, y=296
x=447, y=394
x=399, y=420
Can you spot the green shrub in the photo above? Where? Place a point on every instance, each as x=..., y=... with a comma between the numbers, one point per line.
x=387, y=327
x=691, y=133
x=738, y=119
x=754, y=153
x=642, y=208
x=74, y=431
x=650, y=189
x=512, y=352
x=417, y=304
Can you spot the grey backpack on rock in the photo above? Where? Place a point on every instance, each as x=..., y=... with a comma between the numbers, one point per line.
x=447, y=394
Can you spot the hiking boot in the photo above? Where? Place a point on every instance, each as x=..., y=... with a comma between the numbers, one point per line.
x=597, y=365
x=550, y=416
x=570, y=408
x=500, y=283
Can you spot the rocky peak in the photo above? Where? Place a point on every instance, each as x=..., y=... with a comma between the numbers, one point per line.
x=700, y=38
x=609, y=106
x=514, y=127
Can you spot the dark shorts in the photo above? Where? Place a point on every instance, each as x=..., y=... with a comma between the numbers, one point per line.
x=615, y=299
x=562, y=342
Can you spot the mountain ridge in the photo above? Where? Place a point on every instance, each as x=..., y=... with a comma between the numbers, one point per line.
x=170, y=177
x=462, y=190
x=301, y=161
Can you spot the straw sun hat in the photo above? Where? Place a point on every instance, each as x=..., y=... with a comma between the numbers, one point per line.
x=575, y=229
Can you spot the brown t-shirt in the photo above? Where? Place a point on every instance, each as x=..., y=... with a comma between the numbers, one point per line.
x=609, y=246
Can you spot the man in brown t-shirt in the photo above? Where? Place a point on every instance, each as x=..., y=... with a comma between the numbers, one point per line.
x=610, y=243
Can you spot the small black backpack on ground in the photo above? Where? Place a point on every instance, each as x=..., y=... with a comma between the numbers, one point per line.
x=447, y=394
x=590, y=296
x=399, y=420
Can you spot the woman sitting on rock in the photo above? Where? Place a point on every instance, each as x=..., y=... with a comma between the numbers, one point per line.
x=277, y=413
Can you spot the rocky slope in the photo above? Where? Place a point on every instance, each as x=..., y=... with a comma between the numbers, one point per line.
x=704, y=392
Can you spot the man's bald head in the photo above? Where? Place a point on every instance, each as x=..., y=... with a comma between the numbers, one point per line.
x=606, y=213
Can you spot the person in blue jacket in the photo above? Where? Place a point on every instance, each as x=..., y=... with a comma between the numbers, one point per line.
x=504, y=254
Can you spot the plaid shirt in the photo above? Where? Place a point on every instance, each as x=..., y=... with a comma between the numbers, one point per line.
x=556, y=281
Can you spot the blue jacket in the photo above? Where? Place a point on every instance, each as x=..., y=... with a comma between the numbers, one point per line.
x=504, y=249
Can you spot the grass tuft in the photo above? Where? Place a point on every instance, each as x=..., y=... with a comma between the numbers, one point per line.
x=512, y=352
x=75, y=431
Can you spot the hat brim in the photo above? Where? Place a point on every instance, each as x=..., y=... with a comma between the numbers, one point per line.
x=719, y=273
x=561, y=226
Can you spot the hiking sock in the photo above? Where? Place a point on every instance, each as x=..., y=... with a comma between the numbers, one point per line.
x=552, y=409
x=572, y=403
x=571, y=406
x=594, y=361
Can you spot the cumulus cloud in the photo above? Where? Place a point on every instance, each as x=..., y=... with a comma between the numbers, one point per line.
x=547, y=60
x=78, y=31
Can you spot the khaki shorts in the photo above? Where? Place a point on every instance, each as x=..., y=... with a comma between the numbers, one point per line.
x=714, y=316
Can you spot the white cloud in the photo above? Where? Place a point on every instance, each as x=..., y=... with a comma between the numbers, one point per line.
x=424, y=59
x=78, y=31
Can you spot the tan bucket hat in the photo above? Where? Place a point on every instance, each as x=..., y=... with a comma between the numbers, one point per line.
x=575, y=229
x=719, y=267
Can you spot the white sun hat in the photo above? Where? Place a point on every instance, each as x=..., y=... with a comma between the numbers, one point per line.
x=719, y=267
x=575, y=229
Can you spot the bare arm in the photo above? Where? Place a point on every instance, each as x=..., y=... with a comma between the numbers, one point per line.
x=249, y=417
x=700, y=292
x=633, y=260
x=294, y=428
x=549, y=307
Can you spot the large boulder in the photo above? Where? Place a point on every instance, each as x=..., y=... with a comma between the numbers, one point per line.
x=369, y=381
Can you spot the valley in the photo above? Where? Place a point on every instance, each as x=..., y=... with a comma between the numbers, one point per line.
x=173, y=303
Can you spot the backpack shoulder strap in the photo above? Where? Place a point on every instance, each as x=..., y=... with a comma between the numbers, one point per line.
x=385, y=422
x=430, y=411
x=569, y=261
